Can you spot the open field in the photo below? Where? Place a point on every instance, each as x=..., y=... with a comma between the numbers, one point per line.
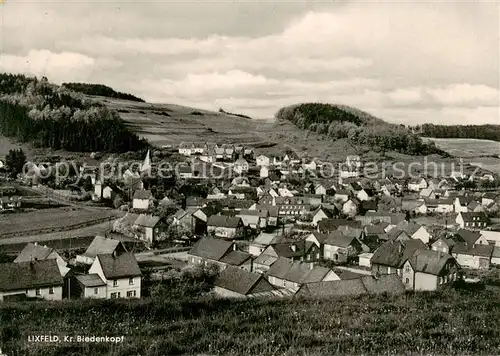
x=465, y=147
x=72, y=243
x=51, y=220
x=418, y=324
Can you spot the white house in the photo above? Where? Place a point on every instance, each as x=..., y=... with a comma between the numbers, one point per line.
x=121, y=274
x=142, y=200
x=263, y=160
x=264, y=172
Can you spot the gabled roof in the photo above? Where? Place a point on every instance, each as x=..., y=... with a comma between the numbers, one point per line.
x=467, y=236
x=297, y=272
x=90, y=280
x=210, y=248
x=147, y=220
x=103, y=245
x=473, y=250
x=469, y=216
x=224, y=221
x=266, y=260
x=333, y=224
x=235, y=258
x=33, y=252
x=267, y=239
x=29, y=275
x=429, y=261
x=319, y=236
x=119, y=266
x=241, y=281
x=396, y=253
x=337, y=238
x=143, y=194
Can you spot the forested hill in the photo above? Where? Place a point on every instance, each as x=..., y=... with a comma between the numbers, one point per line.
x=359, y=127
x=46, y=115
x=101, y=90
x=483, y=132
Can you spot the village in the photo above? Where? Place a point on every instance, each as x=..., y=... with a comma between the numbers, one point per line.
x=273, y=226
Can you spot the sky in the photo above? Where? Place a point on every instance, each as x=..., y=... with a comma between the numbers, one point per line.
x=405, y=61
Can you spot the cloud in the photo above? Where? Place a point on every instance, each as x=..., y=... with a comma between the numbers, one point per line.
x=58, y=67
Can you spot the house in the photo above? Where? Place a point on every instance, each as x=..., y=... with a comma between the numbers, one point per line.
x=427, y=193
x=228, y=227
x=339, y=247
x=475, y=207
x=461, y=204
x=364, y=259
x=384, y=284
x=329, y=225
x=493, y=237
x=151, y=228
x=263, y=160
x=489, y=198
x=108, y=193
x=417, y=184
x=261, y=242
x=186, y=148
x=297, y=250
x=88, y=286
x=427, y=270
x=471, y=220
x=365, y=194
x=395, y=234
x=291, y=206
x=35, y=252
x=142, y=199
x=443, y=244
x=264, y=172
x=285, y=273
x=121, y=274
x=220, y=253
x=320, y=214
x=195, y=202
x=33, y=279
x=255, y=219
x=351, y=207
x=376, y=216
x=234, y=282
x=391, y=256
x=241, y=166
x=320, y=189
x=414, y=231
x=342, y=195
x=472, y=250
x=100, y=245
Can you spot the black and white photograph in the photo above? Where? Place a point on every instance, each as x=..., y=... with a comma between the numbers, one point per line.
x=249, y=177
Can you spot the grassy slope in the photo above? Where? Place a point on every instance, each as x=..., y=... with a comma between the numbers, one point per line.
x=442, y=323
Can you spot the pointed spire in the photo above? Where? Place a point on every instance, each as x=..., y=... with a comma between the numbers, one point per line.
x=146, y=165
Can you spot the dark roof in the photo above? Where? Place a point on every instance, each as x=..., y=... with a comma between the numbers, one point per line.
x=469, y=216
x=103, y=245
x=390, y=283
x=147, y=220
x=333, y=224
x=467, y=236
x=33, y=252
x=429, y=261
x=240, y=281
x=90, y=280
x=142, y=194
x=473, y=250
x=224, y=221
x=237, y=203
x=319, y=236
x=345, y=274
x=396, y=253
x=298, y=272
x=211, y=248
x=28, y=275
x=396, y=218
x=235, y=258
x=337, y=238
x=120, y=266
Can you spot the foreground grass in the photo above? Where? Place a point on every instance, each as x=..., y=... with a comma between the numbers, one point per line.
x=450, y=322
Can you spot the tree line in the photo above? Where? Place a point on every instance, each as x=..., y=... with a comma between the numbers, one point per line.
x=484, y=132
x=47, y=115
x=100, y=90
x=356, y=126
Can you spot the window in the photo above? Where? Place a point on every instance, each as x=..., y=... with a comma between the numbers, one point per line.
x=96, y=290
x=407, y=280
x=131, y=293
x=38, y=291
x=115, y=283
x=114, y=295
x=51, y=290
x=407, y=268
x=131, y=281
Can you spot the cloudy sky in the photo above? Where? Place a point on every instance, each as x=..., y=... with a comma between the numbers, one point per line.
x=406, y=61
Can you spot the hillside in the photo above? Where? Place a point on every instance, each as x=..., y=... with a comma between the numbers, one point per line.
x=360, y=128
x=440, y=323
x=45, y=115
x=482, y=132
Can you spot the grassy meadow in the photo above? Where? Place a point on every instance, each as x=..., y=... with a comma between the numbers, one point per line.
x=467, y=147
x=449, y=322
